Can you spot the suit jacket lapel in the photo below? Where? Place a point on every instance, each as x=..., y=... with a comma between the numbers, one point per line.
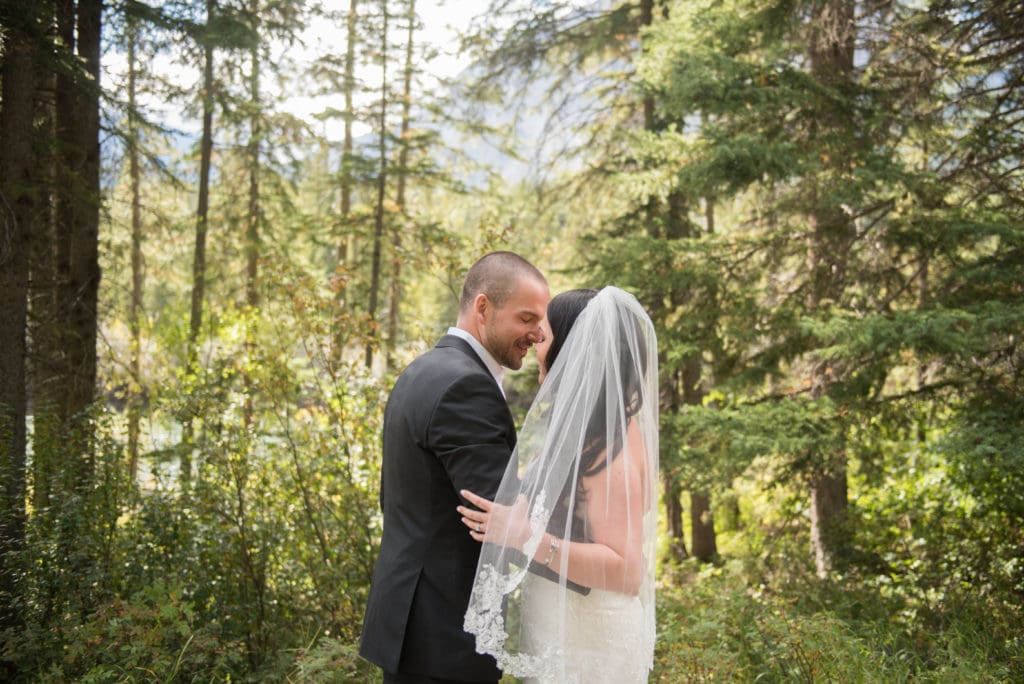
x=463, y=346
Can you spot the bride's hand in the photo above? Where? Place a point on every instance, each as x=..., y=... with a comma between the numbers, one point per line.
x=495, y=522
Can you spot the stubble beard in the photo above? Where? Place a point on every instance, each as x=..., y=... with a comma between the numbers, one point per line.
x=506, y=356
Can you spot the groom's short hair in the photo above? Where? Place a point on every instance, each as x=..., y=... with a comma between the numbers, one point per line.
x=496, y=275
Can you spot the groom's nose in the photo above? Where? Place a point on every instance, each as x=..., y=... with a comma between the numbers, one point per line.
x=535, y=336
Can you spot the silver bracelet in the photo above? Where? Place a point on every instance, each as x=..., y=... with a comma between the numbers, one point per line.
x=552, y=550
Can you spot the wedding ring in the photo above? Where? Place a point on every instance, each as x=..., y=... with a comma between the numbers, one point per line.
x=478, y=528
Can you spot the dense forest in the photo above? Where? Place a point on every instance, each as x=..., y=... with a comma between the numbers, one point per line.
x=205, y=298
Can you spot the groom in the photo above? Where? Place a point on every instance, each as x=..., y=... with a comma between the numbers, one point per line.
x=447, y=428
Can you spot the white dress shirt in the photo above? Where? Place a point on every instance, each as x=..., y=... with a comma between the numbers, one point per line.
x=496, y=369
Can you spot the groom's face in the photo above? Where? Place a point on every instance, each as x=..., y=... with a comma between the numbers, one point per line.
x=510, y=330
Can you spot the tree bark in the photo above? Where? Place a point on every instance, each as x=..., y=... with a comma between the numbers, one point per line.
x=345, y=247
x=135, y=306
x=831, y=49
x=702, y=525
x=705, y=546
x=252, y=235
x=829, y=506
x=702, y=522
x=646, y=19
x=85, y=268
x=44, y=346
x=674, y=518
x=923, y=299
x=199, y=257
x=77, y=239
x=378, y=219
x=67, y=186
x=18, y=207
x=403, y=177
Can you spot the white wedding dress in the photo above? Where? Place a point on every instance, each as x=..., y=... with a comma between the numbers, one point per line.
x=605, y=632
x=599, y=398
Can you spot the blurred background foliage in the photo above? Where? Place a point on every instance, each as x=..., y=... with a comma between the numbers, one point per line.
x=819, y=203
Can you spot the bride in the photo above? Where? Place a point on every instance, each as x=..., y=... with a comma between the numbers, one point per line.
x=564, y=589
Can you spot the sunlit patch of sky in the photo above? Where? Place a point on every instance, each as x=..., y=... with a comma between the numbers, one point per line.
x=440, y=21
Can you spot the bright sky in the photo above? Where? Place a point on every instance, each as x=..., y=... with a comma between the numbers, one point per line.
x=438, y=19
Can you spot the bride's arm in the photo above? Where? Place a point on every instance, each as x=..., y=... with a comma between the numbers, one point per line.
x=615, y=509
x=616, y=499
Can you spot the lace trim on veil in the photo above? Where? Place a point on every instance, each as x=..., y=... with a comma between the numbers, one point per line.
x=486, y=614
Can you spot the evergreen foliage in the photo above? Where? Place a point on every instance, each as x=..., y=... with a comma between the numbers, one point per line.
x=818, y=201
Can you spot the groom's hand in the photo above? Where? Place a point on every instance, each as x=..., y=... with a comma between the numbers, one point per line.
x=495, y=523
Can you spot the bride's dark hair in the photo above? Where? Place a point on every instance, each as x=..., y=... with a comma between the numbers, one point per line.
x=563, y=310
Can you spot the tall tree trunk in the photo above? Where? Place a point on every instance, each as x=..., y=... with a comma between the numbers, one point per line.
x=18, y=207
x=85, y=271
x=252, y=235
x=923, y=300
x=689, y=389
x=77, y=123
x=673, y=491
x=654, y=212
x=705, y=543
x=674, y=517
x=831, y=49
x=403, y=177
x=345, y=247
x=44, y=350
x=705, y=546
x=702, y=525
x=829, y=503
x=378, y=219
x=257, y=636
x=709, y=215
x=199, y=258
x=135, y=306
x=646, y=19
x=65, y=189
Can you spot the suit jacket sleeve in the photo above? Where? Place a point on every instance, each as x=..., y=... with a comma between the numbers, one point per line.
x=472, y=434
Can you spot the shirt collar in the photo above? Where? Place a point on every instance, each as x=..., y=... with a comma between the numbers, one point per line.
x=496, y=369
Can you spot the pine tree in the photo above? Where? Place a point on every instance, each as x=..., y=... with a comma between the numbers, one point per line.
x=402, y=174
x=819, y=151
x=382, y=176
x=135, y=310
x=347, y=175
x=202, y=221
x=16, y=227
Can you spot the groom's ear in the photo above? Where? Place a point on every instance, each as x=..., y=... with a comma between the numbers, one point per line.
x=481, y=304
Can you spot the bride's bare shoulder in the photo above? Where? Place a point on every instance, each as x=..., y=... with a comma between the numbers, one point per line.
x=629, y=464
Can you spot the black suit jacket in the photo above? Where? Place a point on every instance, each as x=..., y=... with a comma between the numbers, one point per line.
x=446, y=428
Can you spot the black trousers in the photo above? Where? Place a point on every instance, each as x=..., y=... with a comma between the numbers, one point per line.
x=403, y=678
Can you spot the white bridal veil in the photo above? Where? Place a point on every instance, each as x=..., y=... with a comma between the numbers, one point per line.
x=586, y=466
